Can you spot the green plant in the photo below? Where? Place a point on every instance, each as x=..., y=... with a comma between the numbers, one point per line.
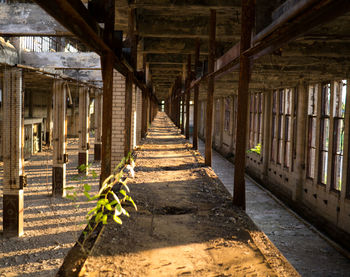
x=110, y=199
x=256, y=149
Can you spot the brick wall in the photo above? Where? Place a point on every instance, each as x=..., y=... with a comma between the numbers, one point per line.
x=118, y=118
x=138, y=115
x=133, y=141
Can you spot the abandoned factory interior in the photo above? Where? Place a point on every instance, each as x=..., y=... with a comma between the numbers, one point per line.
x=175, y=137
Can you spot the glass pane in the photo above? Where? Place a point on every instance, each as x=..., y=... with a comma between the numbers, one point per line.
x=325, y=136
x=324, y=165
x=311, y=163
x=338, y=165
x=274, y=103
x=227, y=114
x=281, y=102
x=313, y=132
x=280, y=144
x=312, y=107
x=326, y=99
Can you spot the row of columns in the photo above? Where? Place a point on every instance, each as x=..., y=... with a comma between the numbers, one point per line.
x=13, y=141
x=177, y=100
x=14, y=178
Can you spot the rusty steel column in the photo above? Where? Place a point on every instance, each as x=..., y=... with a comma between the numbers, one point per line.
x=84, y=103
x=248, y=18
x=107, y=63
x=182, y=125
x=210, y=95
x=195, y=99
x=188, y=96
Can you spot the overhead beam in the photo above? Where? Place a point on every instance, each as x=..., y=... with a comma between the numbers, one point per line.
x=187, y=27
x=23, y=19
x=284, y=30
x=84, y=75
x=62, y=60
x=169, y=46
x=193, y=4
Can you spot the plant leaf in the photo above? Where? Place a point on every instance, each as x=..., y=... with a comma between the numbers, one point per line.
x=87, y=187
x=117, y=219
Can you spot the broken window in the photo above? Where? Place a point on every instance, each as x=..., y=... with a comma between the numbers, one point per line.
x=235, y=109
x=274, y=129
x=280, y=125
x=217, y=117
x=295, y=135
x=312, y=120
x=255, y=120
x=251, y=120
x=324, y=133
x=338, y=134
x=227, y=121
x=260, y=117
x=287, y=126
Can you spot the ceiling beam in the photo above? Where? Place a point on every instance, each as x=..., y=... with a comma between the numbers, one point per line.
x=23, y=19
x=62, y=60
x=193, y=4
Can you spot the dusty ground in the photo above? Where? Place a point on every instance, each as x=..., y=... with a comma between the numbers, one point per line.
x=185, y=225
x=51, y=225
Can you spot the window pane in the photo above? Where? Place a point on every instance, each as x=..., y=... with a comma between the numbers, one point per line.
x=324, y=165
x=312, y=107
x=227, y=114
x=326, y=99
x=325, y=135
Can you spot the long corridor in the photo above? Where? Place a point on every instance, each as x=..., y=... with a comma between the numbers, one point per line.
x=305, y=249
x=185, y=224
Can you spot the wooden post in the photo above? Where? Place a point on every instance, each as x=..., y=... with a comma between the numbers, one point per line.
x=84, y=103
x=107, y=63
x=98, y=125
x=210, y=95
x=247, y=23
x=13, y=140
x=188, y=96
x=195, y=99
x=59, y=138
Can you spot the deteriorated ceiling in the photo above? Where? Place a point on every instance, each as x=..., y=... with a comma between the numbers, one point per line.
x=168, y=31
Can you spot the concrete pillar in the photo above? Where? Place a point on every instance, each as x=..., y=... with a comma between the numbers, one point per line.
x=59, y=138
x=49, y=120
x=98, y=125
x=13, y=141
x=84, y=104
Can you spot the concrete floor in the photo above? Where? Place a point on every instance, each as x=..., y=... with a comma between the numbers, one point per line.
x=310, y=254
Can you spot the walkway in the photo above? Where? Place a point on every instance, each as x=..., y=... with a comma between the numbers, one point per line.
x=185, y=224
x=305, y=250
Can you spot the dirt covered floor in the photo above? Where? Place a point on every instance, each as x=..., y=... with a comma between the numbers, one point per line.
x=51, y=225
x=185, y=225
